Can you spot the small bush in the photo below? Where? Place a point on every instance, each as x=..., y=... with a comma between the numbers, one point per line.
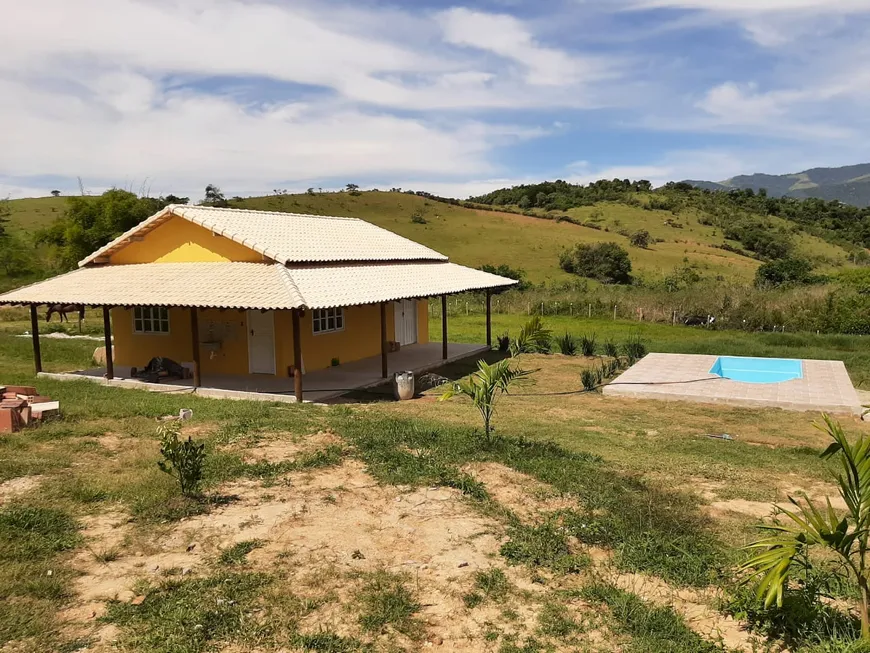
x=182, y=459
x=504, y=342
x=634, y=348
x=606, y=262
x=589, y=379
x=587, y=345
x=417, y=217
x=611, y=349
x=640, y=239
x=567, y=345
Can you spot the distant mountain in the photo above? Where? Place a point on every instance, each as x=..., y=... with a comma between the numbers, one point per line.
x=849, y=184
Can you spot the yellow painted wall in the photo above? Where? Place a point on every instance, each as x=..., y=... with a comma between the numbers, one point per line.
x=180, y=241
x=136, y=349
x=423, y=321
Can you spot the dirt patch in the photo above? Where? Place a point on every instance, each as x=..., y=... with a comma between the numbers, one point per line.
x=759, y=509
x=522, y=494
x=275, y=450
x=15, y=487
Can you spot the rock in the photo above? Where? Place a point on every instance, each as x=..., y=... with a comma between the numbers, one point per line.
x=463, y=564
x=137, y=600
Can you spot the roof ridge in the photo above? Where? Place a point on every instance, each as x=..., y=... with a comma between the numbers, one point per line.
x=264, y=212
x=290, y=284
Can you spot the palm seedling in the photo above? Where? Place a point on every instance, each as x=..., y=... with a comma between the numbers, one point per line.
x=587, y=345
x=532, y=339
x=485, y=386
x=806, y=527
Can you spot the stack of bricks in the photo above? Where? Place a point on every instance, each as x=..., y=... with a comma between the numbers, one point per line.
x=20, y=405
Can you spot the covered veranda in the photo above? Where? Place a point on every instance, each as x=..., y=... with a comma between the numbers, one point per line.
x=247, y=286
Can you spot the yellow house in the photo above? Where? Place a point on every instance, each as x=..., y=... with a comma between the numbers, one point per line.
x=234, y=292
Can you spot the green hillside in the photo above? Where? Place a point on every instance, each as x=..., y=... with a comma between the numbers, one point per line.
x=475, y=237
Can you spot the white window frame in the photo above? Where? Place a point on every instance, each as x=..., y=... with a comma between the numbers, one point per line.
x=322, y=317
x=150, y=315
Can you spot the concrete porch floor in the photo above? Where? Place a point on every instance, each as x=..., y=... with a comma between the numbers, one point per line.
x=317, y=386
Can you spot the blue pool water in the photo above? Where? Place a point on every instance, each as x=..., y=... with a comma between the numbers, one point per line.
x=757, y=370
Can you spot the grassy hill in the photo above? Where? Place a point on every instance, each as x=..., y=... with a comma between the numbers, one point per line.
x=475, y=237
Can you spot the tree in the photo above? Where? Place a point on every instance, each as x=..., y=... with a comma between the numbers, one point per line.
x=175, y=199
x=16, y=258
x=353, y=189
x=784, y=271
x=91, y=222
x=524, y=202
x=55, y=193
x=505, y=270
x=5, y=212
x=606, y=262
x=214, y=196
x=485, y=386
x=845, y=537
x=640, y=239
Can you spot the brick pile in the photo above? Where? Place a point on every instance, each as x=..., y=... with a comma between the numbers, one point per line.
x=21, y=404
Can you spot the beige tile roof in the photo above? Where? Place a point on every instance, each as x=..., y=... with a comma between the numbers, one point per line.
x=288, y=237
x=324, y=287
x=252, y=285
x=216, y=285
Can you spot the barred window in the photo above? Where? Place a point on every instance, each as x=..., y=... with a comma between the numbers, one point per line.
x=150, y=319
x=326, y=320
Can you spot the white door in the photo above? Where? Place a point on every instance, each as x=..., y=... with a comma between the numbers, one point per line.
x=261, y=342
x=406, y=321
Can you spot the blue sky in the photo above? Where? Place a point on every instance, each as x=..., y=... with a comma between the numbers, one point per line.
x=453, y=97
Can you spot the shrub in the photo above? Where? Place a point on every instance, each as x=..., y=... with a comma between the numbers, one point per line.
x=784, y=271
x=504, y=342
x=610, y=349
x=504, y=270
x=606, y=262
x=567, y=345
x=589, y=379
x=640, y=239
x=587, y=345
x=182, y=459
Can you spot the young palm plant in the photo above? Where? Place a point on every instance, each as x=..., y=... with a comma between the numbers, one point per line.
x=533, y=338
x=806, y=526
x=485, y=386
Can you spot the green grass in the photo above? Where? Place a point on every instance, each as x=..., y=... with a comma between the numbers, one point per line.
x=238, y=553
x=384, y=600
x=652, y=629
x=34, y=579
x=192, y=616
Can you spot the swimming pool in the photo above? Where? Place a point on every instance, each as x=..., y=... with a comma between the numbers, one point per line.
x=757, y=370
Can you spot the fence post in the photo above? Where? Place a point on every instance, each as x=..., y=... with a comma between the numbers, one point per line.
x=614, y=311
x=590, y=311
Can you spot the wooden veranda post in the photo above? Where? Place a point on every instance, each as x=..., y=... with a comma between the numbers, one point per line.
x=107, y=330
x=489, y=319
x=444, y=327
x=194, y=343
x=383, y=340
x=34, y=332
x=297, y=356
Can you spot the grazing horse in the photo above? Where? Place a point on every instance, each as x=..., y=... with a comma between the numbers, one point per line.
x=63, y=309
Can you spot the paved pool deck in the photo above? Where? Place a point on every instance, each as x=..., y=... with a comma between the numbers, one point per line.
x=825, y=386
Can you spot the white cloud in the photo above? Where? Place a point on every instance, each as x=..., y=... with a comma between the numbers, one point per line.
x=508, y=37
x=759, y=6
